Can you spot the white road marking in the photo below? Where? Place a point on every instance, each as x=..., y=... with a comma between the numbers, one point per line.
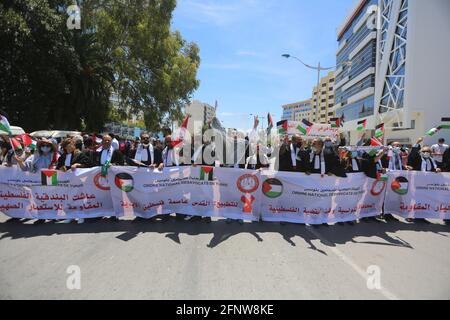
x=384, y=291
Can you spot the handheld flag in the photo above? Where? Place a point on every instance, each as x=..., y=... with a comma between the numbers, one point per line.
x=305, y=126
x=270, y=123
x=335, y=122
x=27, y=141
x=379, y=131
x=16, y=145
x=433, y=131
x=362, y=125
x=282, y=126
x=374, y=142
x=4, y=125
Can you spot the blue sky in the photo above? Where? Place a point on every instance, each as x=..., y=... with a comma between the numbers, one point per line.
x=241, y=43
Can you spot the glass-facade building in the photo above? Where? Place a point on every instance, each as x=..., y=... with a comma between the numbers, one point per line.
x=356, y=60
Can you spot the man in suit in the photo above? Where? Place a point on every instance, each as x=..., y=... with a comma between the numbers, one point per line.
x=292, y=156
x=324, y=161
x=107, y=154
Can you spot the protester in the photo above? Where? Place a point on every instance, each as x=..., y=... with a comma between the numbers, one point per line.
x=393, y=160
x=89, y=152
x=423, y=161
x=72, y=157
x=438, y=151
x=292, y=156
x=107, y=154
x=169, y=155
x=46, y=157
x=324, y=160
x=144, y=154
x=114, y=141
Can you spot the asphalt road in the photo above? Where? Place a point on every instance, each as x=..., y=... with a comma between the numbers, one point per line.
x=197, y=260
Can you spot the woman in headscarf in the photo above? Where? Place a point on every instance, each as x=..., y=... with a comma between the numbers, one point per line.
x=45, y=157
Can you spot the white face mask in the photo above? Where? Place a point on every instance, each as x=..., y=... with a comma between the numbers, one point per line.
x=45, y=149
x=426, y=155
x=397, y=149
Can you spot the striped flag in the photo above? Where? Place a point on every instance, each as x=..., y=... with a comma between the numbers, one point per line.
x=27, y=141
x=49, y=177
x=335, y=122
x=305, y=126
x=4, y=125
x=270, y=123
x=16, y=145
x=362, y=125
x=379, y=131
x=282, y=126
x=433, y=131
x=374, y=142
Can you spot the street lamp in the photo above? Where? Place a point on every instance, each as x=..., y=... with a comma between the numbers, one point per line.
x=318, y=68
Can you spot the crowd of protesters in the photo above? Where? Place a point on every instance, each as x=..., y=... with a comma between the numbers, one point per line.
x=294, y=154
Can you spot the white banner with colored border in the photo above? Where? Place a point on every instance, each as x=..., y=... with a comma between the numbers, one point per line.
x=199, y=191
x=413, y=194
x=313, y=199
x=51, y=194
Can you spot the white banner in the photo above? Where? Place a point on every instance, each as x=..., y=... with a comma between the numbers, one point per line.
x=313, y=199
x=199, y=191
x=316, y=131
x=414, y=194
x=51, y=194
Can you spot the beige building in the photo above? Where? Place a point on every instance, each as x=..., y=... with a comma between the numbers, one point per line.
x=323, y=111
x=297, y=111
x=201, y=113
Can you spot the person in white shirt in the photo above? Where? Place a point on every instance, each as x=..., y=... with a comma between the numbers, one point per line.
x=114, y=142
x=438, y=151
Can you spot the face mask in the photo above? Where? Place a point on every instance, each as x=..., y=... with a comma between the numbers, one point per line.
x=354, y=154
x=328, y=144
x=45, y=149
x=397, y=149
x=426, y=155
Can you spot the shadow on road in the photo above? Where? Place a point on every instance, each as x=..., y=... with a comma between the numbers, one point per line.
x=221, y=231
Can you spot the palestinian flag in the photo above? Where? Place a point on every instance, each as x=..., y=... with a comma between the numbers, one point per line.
x=272, y=188
x=433, y=131
x=445, y=119
x=124, y=182
x=4, y=125
x=16, y=145
x=374, y=142
x=335, y=122
x=305, y=126
x=444, y=126
x=362, y=125
x=379, y=131
x=27, y=141
x=400, y=186
x=181, y=133
x=282, y=126
x=270, y=123
x=49, y=177
x=206, y=173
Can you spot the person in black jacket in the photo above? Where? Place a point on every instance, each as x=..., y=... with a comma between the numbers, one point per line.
x=292, y=156
x=108, y=154
x=324, y=161
x=446, y=161
x=423, y=161
x=72, y=158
